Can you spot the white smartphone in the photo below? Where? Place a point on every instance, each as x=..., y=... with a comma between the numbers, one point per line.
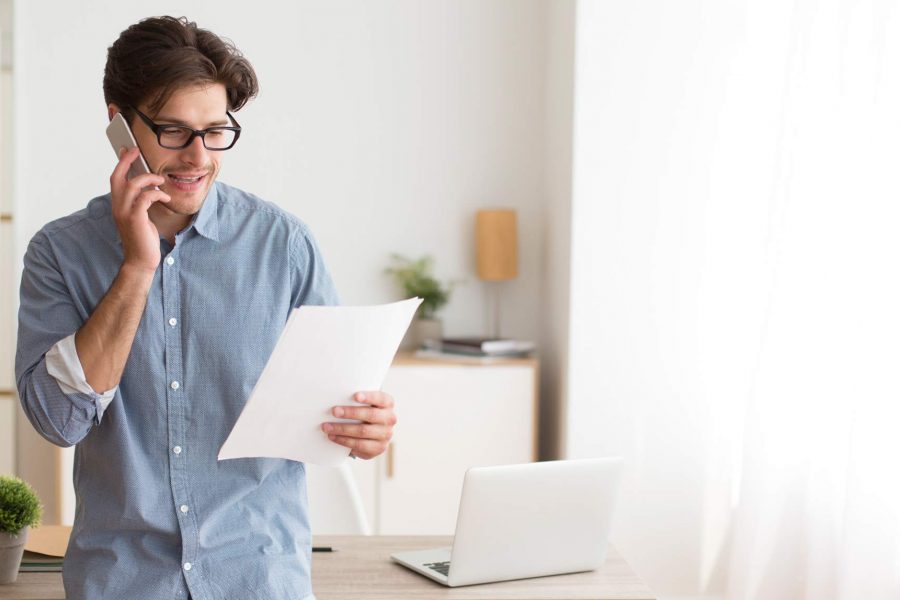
x=120, y=136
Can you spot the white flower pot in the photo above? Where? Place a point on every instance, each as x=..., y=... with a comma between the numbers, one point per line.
x=419, y=331
x=11, y=549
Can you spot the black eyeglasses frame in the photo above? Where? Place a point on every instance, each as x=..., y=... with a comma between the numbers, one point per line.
x=201, y=133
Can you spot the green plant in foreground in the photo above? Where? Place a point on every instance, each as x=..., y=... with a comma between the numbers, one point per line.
x=415, y=277
x=19, y=505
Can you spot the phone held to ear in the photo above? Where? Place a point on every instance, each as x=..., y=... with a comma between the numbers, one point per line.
x=120, y=136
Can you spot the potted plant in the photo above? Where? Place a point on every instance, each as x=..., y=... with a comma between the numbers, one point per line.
x=20, y=509
x=416, y=279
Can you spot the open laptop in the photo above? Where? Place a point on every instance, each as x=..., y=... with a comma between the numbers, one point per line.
x=526, y=520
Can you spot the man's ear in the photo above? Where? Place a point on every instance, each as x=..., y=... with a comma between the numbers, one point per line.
x=113, y=110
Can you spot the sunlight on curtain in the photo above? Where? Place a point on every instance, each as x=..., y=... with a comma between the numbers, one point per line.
x=818, y=514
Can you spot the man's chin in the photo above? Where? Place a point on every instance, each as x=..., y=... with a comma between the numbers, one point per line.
x=184, y=203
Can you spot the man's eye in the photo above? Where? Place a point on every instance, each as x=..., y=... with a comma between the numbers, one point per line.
x=215, y=132
x=172, y=131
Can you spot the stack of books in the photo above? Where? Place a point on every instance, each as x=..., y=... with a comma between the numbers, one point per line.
x=481, y=347
x=45, y=548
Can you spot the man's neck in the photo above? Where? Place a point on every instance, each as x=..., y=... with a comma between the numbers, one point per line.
x=168, y=223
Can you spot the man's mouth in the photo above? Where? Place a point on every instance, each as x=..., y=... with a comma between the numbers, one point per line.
x=186, y=182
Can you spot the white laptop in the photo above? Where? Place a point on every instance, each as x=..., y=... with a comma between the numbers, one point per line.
x=526, y=520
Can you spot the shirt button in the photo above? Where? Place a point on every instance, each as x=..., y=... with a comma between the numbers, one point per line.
x=170, y=261
x=184, y=508
x=173, y=321
x=187, y=566
x=175, y=385
x=177, y=449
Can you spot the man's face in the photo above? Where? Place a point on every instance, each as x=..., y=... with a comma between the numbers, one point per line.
x=197, y=107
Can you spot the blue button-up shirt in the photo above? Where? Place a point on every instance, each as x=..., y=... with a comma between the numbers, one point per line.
x=157, y=516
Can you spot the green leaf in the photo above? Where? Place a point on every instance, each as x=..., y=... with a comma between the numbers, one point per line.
x=19, y=505
x=414, y=277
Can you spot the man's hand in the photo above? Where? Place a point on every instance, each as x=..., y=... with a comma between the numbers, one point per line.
x=131, y=199
x=371, y=437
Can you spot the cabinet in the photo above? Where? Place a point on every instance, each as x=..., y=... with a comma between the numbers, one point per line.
x=452, y=415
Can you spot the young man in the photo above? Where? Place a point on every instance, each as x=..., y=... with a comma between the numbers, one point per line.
x=146, y=319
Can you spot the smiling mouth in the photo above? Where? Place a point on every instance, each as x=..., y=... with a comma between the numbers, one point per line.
x=187, y=184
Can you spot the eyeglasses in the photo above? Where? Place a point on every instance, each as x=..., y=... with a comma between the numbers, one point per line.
x=176, y=137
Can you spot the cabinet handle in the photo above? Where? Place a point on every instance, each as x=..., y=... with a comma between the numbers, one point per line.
x=390, y=460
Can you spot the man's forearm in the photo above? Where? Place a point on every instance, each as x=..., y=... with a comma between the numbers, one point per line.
x=104, y=341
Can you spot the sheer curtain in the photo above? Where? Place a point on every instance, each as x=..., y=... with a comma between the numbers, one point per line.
x=735, y=290
x=818, y=511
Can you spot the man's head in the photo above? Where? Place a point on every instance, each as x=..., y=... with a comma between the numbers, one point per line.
x=177, y=74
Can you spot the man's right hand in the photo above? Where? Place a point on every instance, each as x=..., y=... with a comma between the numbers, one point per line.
x=131, y=201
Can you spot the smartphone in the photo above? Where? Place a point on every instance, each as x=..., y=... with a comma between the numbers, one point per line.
x=120, y=136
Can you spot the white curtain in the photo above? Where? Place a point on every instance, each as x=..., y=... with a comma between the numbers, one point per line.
x=735, y=297
x=818, y=512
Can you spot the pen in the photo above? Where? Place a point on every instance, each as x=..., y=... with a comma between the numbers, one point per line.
x=322, y=549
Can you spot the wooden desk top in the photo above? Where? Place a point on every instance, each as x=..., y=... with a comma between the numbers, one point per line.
x=360, y=568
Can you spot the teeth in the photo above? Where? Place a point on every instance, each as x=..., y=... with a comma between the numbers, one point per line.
x=186, y=180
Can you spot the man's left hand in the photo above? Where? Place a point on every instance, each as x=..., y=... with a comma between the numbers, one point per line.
x=371, y=437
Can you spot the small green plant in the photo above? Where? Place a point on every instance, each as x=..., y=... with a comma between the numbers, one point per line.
x=415, y=277
x=19, y=505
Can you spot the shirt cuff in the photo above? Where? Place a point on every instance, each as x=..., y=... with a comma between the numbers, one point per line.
x=65, y=367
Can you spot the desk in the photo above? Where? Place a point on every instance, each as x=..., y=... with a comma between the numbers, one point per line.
x=361, y=569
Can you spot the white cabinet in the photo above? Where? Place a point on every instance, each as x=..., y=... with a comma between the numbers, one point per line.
x=452, y=415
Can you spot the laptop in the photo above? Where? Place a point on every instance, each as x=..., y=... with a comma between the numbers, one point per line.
x=527, y=520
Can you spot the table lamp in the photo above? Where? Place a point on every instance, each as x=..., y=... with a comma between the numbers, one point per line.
x=497, y=254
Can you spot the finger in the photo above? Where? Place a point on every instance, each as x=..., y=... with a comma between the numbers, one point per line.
x=361, y=448
x=367, y=414
x=145, y=180
x=126, y=157
x=365, y=431
x=147, y=198
x=119, y=177
x=376, y=398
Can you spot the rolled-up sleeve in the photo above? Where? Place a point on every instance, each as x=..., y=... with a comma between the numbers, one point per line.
x=47, y=315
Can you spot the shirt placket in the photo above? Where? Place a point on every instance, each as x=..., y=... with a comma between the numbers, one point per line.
x=176, y=410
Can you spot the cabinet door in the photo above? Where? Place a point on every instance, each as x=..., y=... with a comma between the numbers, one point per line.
x=450, y=418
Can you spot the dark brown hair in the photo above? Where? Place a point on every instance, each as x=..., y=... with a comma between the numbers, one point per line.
x=157, y=56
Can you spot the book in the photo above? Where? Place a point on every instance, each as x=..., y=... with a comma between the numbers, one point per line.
x=486, y=346
x=45, y=549
x=35, y=562
x=483, y=359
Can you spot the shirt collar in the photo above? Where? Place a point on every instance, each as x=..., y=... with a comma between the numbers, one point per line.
x=206, y=221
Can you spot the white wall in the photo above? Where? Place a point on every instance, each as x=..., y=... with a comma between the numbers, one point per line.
x=384, y=125
x=7, y=293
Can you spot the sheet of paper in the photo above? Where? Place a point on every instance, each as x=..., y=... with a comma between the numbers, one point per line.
x=324, y=355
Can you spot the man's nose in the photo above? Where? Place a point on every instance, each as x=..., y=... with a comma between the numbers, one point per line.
x=195, y=152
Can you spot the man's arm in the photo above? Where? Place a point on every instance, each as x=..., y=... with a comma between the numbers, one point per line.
x=105, y=340
x=47, y=315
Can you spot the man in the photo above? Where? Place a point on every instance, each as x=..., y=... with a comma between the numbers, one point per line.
x=145, y=321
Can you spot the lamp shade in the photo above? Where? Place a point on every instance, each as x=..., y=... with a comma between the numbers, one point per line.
x=496, y=244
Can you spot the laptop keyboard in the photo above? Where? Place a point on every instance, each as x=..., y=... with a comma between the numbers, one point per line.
x=441, y=567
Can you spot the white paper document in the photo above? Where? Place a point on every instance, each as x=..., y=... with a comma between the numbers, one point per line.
x=324, y=355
